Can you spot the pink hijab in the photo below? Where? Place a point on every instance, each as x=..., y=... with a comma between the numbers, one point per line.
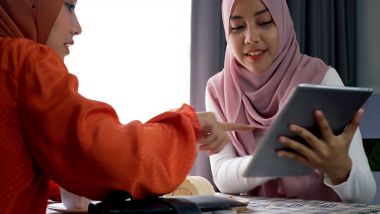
x=241, y=96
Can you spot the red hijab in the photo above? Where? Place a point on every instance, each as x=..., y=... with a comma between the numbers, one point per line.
x=31, y=19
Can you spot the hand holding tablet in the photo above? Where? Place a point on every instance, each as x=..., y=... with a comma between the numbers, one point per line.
x=339, y=106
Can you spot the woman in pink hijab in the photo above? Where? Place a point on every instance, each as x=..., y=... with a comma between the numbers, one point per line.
x=262, y=66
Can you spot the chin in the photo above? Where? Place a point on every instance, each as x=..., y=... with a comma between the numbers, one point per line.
x=63, y=55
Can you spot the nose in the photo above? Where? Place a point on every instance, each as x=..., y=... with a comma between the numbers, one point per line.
x=76, y=28
x=252, y=35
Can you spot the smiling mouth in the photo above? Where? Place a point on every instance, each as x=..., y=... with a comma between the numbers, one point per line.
x=255, y=55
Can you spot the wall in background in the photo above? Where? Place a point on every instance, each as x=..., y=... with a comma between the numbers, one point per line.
x=368, y=44
x=133, y=55
x=368, y=57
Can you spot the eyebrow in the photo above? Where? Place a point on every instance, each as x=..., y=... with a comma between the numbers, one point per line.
x=255, y=14
x=74, y=2
x=261, y=11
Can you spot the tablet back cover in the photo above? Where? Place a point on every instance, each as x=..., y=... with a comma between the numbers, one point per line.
x=339, y=104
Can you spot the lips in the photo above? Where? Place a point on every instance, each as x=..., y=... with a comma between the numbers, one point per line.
x=255, y=54
x=67, y=45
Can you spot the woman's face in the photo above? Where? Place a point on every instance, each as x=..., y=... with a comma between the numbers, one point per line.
x=64, y=29
x=253, y=35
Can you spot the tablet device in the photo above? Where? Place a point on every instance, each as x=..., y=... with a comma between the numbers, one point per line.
x=339, y=105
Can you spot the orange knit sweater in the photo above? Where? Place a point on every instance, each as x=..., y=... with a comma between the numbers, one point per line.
x=49, y=131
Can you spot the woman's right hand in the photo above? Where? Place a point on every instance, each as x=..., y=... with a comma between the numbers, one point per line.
x=213, y=136
x=329, y=152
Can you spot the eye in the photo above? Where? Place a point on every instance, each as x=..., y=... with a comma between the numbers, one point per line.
x=265, y=23
x=70, y=7
x=237, y=28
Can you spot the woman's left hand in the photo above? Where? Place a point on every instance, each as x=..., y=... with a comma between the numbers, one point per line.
x=329, y=153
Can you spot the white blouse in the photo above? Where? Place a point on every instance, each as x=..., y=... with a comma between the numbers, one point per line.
x=360, y=187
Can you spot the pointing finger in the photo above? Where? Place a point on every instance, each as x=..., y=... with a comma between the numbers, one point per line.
x=236, y=127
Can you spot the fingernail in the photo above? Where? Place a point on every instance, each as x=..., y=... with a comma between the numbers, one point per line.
x=318, y=113
x=293, y=128
x=281, y=139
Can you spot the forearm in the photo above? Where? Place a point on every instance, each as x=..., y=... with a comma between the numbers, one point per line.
x=227, y=170
x=360, y=187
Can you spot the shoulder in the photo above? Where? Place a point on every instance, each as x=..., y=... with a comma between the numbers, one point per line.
x=21, y=54
x=11, y=51
x=215, y=80
x=23, y=48
x=214, y=85
x=332, y=78
x=29, y=61
x=18, y=45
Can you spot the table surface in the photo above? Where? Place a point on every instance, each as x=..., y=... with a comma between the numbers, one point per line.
x=260, y=205
x=276, y=205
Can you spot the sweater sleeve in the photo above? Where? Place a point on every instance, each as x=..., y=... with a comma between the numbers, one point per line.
x=360, y=186
x=81, y=144
x=227, y=168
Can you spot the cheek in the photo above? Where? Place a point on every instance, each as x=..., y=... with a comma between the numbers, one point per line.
x=52, y=41
x=273, y=40
x=235, y=44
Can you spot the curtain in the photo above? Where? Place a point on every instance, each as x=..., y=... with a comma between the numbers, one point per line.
x=207, y=57
x=207, y=46
x=325, y=29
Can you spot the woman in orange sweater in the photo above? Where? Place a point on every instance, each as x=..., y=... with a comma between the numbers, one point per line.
x=49, y=131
